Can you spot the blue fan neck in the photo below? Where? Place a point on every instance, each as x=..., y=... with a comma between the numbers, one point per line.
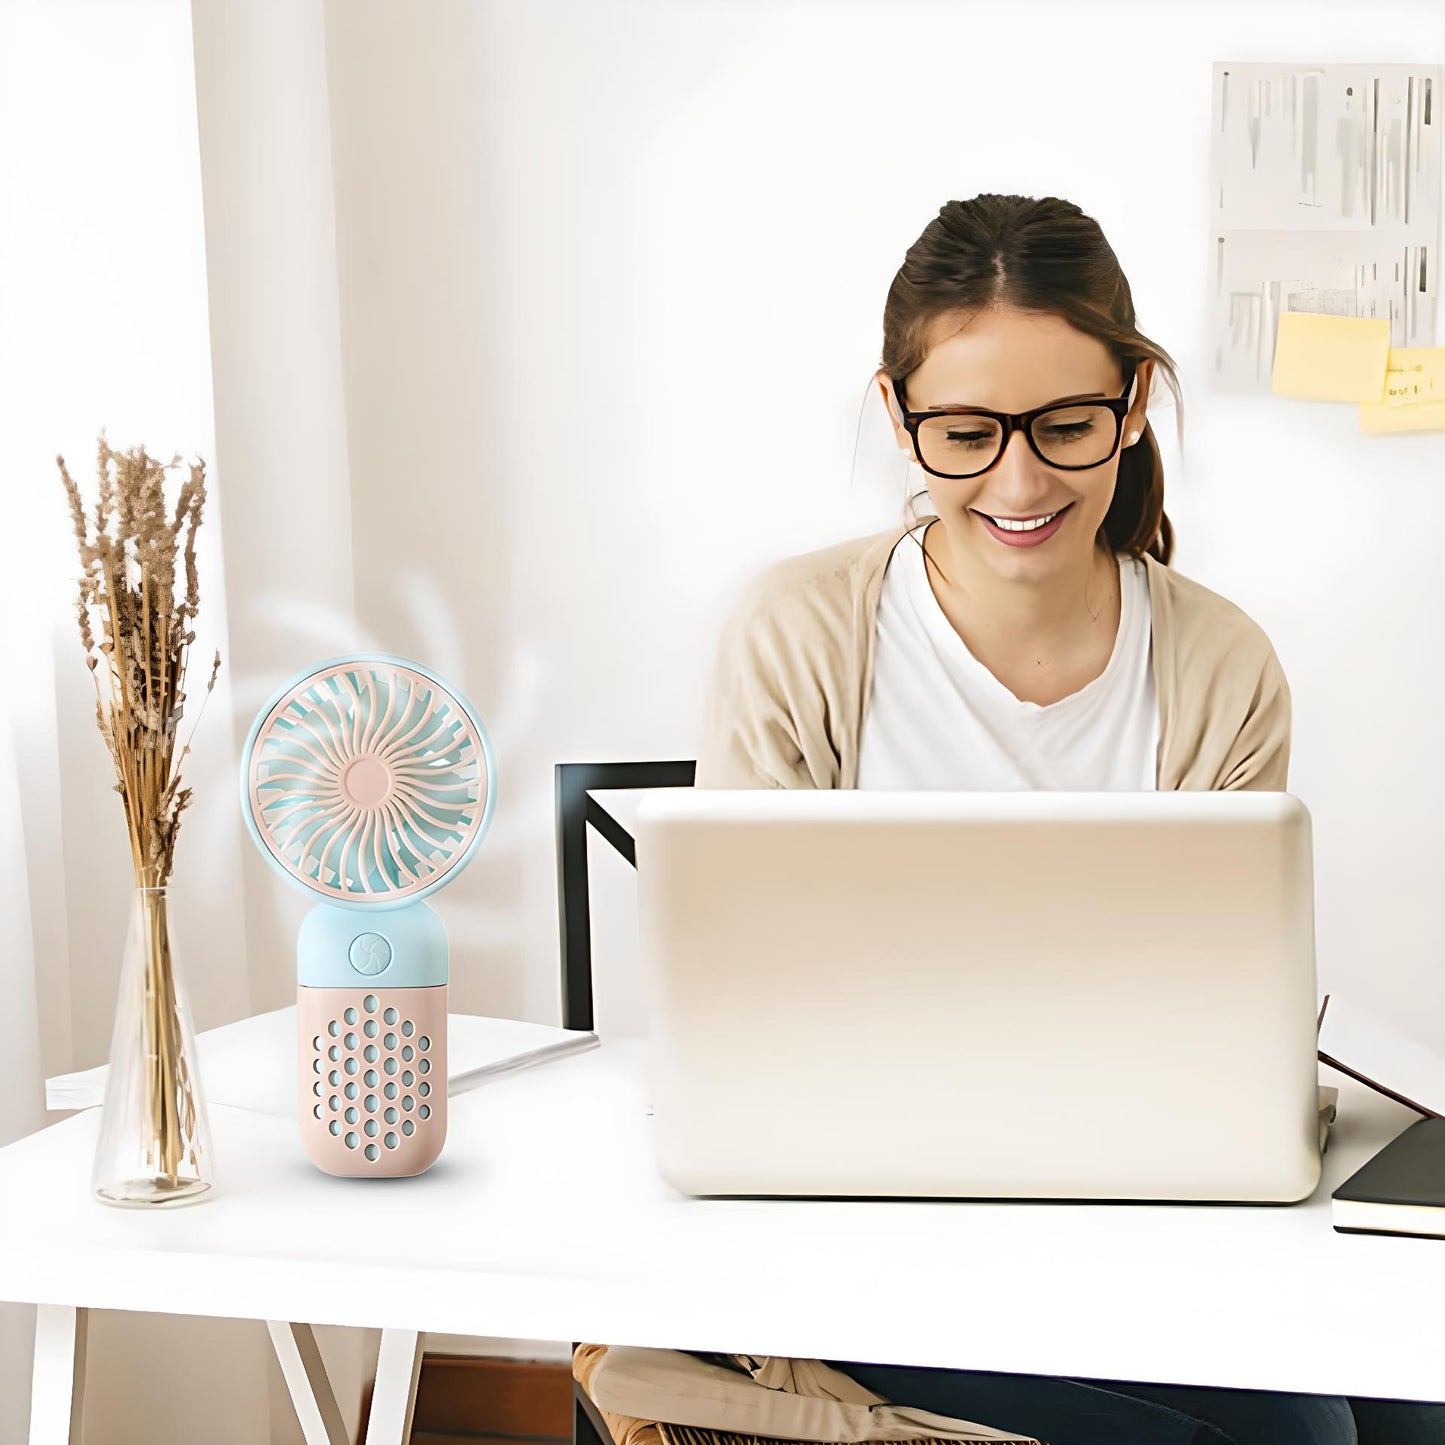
x=402, y=947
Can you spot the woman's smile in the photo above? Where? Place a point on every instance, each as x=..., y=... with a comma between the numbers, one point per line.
x=1023, y=531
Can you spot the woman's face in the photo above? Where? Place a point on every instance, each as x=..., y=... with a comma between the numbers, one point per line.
x=1012, y=361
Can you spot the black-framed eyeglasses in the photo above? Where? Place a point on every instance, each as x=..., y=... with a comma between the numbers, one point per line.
x=965, y=441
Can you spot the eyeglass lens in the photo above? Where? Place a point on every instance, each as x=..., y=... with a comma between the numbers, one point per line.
x=1080, y=435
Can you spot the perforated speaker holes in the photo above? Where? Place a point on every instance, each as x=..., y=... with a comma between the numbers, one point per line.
x=342, y=1052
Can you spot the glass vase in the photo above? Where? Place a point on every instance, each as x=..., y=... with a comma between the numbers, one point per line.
x=155, y=1137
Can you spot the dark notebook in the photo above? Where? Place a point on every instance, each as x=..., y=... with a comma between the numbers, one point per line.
x=1401, y=1190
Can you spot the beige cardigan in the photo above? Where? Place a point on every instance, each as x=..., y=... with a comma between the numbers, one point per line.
x=794, y=666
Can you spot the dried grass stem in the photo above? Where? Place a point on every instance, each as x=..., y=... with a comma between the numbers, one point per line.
x=137, y=634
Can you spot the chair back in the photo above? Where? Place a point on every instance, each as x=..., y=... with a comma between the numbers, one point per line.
x=576, y=810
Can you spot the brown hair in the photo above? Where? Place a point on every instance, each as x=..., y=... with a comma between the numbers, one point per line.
x=1037, y=254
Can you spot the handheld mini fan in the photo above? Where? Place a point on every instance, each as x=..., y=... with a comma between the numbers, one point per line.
x=368, y=782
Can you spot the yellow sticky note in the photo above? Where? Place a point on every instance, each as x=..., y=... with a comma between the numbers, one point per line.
x=1414, y=397
x=1330, y=358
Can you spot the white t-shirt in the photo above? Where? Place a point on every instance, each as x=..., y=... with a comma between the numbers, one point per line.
x=936, y=717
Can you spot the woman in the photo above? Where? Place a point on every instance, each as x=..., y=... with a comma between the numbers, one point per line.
x=1029, y=634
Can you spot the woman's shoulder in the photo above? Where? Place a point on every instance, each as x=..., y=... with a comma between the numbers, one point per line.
x=1224, y=703
x=1204, y=621
x=824, y=581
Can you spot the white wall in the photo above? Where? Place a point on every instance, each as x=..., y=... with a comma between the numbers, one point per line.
x=429, y=439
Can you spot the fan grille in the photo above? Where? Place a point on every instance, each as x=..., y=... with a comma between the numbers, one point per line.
x=371, y=1085
x=368, y=782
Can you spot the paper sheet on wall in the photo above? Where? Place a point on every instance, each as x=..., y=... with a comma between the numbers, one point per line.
x=1331, y=358
x=1325, y=199
x=1414, y=397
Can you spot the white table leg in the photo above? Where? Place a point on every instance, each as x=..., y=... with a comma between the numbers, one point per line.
x=310, y=1387
x=394, y=1399
x=57, y=1389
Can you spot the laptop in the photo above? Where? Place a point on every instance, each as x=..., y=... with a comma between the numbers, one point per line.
x=1010, y=995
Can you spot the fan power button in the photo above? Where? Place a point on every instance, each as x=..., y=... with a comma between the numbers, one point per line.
x=370, y=953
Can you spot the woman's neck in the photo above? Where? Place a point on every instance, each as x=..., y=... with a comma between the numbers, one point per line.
x=1075, y=603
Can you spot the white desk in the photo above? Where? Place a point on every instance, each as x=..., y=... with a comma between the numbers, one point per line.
x=544, y=1220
